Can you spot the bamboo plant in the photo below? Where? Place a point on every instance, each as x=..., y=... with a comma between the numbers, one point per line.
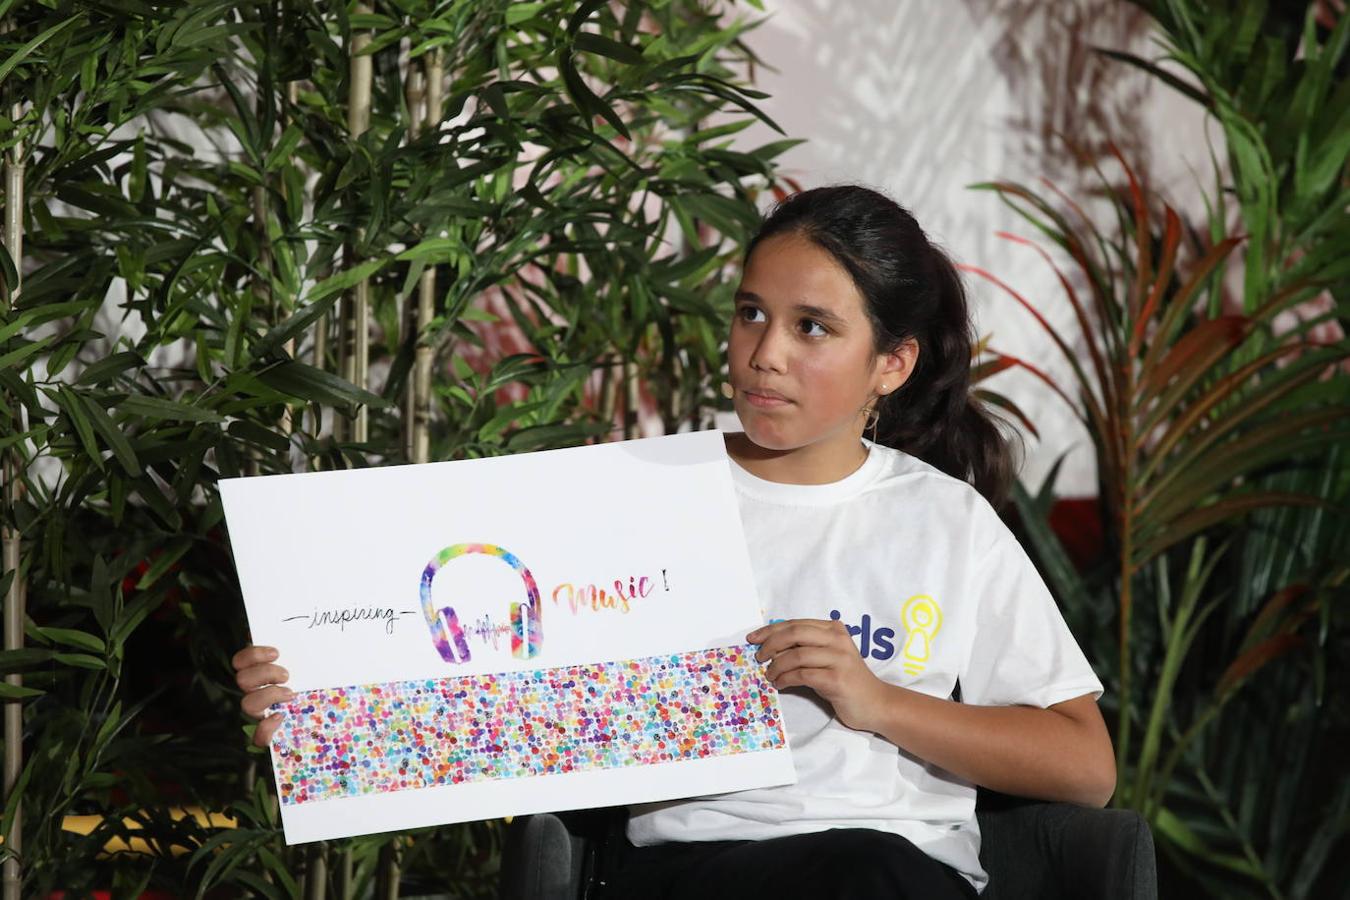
x=233, y=267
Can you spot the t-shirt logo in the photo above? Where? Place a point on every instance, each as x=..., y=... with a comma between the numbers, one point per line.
x=922, y=618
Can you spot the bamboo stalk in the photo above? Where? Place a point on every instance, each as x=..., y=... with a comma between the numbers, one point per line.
x=343, y=879
x=386, y=872
x=631, y=400
x=319, y=349
x=357, y=368
x=609, y=392
x=316, y=873
x=11, y=879
x=414, y=91
x=426, y=291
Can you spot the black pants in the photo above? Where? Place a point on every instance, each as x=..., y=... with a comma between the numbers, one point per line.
x=840, y=864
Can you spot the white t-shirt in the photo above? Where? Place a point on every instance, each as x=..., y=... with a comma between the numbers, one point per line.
x=935, y=589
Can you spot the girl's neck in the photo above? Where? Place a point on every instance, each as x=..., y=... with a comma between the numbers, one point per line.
x=821, y=463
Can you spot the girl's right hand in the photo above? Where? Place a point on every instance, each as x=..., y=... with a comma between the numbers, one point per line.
x=264, y=684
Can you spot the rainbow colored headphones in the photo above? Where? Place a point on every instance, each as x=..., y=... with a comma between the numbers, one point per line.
x=527, y=632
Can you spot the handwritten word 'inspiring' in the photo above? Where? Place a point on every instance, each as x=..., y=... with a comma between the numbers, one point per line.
x=351, y=615
x=589, y=596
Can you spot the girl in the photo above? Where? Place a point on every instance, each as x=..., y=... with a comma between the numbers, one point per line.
x=918, y=652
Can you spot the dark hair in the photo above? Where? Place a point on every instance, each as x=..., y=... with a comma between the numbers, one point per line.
x=911, y=290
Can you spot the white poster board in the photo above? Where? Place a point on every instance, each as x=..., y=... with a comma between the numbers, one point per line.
x=503, y=636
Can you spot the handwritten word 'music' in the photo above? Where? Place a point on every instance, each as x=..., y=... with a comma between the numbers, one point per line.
x=595, y=598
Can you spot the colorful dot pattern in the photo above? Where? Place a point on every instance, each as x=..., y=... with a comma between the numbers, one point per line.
x=405, y=735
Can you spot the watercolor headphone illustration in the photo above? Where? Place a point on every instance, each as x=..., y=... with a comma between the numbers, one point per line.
x=447, y=633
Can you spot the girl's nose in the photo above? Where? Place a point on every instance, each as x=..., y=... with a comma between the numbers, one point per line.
x=770, y=352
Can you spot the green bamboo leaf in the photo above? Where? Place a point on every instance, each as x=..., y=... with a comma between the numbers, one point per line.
x=22, y=659
x=80, y=660
x=304, y=382
x=9, y=276
x=294, y=325
x=280, y=870
x=35, y=435
x=132, y=615
x=17, y=692
x=74, y=410
x=254, y=433
x=772, y=150
x=595, y=43
x=112, y=436
x=260, y=886
x=160, y=408
x=110, y=366
x=17, y=793
x=724, y=130
x=15, y=324
x=345, y=279
x=694, y=266
x=136, y=179
x=71, y=637
x=102, y=583
x=582, y=14
x=540, y=437
x=62, y=356
x=584, y=99
x=165, y=561
x=18, y=56
x=493, y=428
x=13, y=358
x=434, y=249
x=285, y=148
x=521, y=12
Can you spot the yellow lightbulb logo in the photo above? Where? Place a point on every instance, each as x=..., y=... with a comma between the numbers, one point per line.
x=922, y=618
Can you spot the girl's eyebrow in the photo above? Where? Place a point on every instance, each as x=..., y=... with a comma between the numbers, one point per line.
x=805, y=309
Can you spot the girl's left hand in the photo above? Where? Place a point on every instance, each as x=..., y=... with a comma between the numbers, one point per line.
x=821, y=655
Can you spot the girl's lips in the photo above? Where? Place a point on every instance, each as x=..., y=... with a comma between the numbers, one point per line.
x=766, y=400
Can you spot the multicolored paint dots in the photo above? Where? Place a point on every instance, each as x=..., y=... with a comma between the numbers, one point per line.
x=447, y=633
x=379, y=738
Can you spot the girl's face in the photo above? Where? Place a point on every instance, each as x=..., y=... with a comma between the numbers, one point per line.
x=802, y=357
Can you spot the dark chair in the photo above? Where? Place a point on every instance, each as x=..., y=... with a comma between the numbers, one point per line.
x=1030, y=850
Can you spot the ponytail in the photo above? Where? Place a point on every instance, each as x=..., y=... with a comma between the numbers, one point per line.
x=912, y=292
x=934, y=416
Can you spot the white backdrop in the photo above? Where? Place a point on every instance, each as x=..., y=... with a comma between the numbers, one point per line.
x=922, y=98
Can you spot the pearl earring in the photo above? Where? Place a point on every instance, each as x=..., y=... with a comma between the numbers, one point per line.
x=727, y=390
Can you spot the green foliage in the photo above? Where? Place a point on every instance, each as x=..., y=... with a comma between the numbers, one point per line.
x=198, y=218
x=1218, y=606
x=1273, y=77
